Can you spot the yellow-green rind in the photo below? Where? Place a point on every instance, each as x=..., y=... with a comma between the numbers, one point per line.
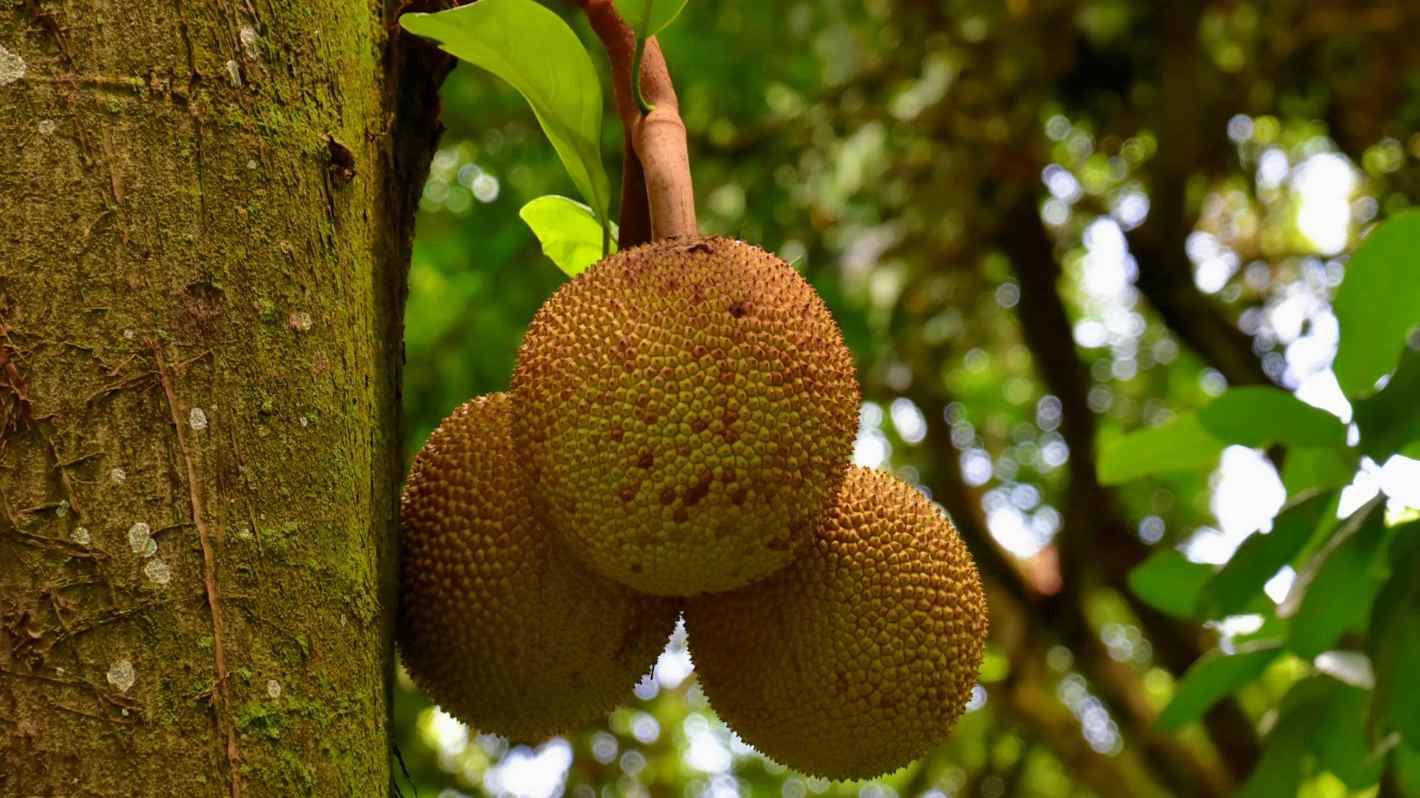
x=687, y=409
x=497, y=624
x=859, y=657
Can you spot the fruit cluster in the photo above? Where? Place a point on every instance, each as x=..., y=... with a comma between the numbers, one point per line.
x=677, y=440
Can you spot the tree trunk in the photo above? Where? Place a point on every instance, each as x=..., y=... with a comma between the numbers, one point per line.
x=205, y=210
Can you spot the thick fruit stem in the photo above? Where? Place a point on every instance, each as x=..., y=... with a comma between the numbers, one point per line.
x=657, y=138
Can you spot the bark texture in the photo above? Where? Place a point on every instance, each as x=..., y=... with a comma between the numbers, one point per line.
x=205, y=210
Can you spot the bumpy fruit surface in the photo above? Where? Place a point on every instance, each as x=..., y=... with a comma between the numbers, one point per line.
x=503, y=629
x=860, y=656
x=687, y=409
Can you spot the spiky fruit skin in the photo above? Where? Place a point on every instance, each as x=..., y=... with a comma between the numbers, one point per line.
x=860, y=656
x=503, y=629
x=688, y=408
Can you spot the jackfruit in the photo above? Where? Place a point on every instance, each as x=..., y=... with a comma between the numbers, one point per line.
x=687, y=409
x=861, y=655
x=497, y=623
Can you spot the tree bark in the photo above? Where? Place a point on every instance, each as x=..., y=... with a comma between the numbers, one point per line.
x=205, y=212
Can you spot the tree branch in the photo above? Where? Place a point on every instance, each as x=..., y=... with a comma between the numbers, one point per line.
x=657, y=139
x=1184, y=123
x=1096, y=536
x=619, y=41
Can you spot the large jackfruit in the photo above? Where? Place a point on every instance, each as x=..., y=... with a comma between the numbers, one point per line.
x=498, y=624
x=686, y=410
x=860, y=656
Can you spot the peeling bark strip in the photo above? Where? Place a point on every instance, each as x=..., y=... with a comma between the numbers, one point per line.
x=206, y=611
x=221, y=696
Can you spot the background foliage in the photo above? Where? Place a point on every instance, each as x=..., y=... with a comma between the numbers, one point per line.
x=1094, y=260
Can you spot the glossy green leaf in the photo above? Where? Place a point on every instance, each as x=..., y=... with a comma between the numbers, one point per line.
x=1378, y=303
x=1389, y=420
x=1394, y=639
x=663, y=13
x=1258, y=416
x=569, y=232
x=1261, y=555
x=1169, y=582
x=531, y=48
x=1212, y=678
x=1337, y=586
x=1181, y=444
x=1311, y=467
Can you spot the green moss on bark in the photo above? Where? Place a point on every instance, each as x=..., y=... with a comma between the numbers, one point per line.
x=173, y=197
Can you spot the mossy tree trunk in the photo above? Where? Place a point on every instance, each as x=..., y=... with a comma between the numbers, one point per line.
x=205, y=210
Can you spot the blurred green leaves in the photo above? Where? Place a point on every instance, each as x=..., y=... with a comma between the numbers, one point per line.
x=1378, y=303
x=1395, y=640
x=1389, y=420
x=1336, y=585
x=570, y=234
x=1260, y=557
x=531, y=48
x=1170, y=582
x=1317, y=467
x=1212, y=678
x=1249, y=416
x=1257, y=416
x=1182, y=444
x=809, y=180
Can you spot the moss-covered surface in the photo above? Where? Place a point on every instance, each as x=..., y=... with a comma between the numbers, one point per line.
x=172, y=221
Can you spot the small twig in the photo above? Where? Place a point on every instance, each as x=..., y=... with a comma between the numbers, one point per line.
x=220, y=696
x=657, y=137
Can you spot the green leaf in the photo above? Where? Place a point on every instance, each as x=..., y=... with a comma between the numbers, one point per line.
x=569, y=232
x=1181, y=444
x=1378, y=303
x=1258, y=416
x=1170, y=582
x=1337, y=585
x=1407, y=769
x=1390, y=419
x=1260, y=556
x=1309, y=467
x=1211, y=679
x=1279, y=771
x=1339, y=740
x=663, y=13
x=530, y=47
x=1394, y=640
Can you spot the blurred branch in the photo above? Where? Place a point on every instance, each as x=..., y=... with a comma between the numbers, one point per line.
x=1028, y=693
x=1095, y=536
x=1041, y=617
x=1189, y=128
